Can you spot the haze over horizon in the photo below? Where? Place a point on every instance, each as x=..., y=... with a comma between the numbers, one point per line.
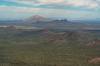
x=70, y=9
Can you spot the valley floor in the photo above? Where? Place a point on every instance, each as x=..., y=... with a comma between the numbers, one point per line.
x=49, y=48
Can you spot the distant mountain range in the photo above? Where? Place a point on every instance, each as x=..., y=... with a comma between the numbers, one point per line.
x=44, y=22
x=47, y=23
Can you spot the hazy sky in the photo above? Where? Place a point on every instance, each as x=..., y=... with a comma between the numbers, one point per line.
x=71, y=9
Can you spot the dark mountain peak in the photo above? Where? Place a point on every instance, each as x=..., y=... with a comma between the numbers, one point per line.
x=61, y=20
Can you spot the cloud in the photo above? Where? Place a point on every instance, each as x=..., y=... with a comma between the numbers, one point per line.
x=50, y=1
x=65, y=8
x=56, y=4
x=83, y=3
x=14, y=12
x=18, y=9
x=88, y=4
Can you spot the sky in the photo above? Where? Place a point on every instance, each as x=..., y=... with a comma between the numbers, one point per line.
x=70, y=9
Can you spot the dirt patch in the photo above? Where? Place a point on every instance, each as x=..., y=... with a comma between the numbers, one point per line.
x=95, y=60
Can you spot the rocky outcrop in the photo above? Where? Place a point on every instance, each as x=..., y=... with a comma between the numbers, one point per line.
x=94, y=60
